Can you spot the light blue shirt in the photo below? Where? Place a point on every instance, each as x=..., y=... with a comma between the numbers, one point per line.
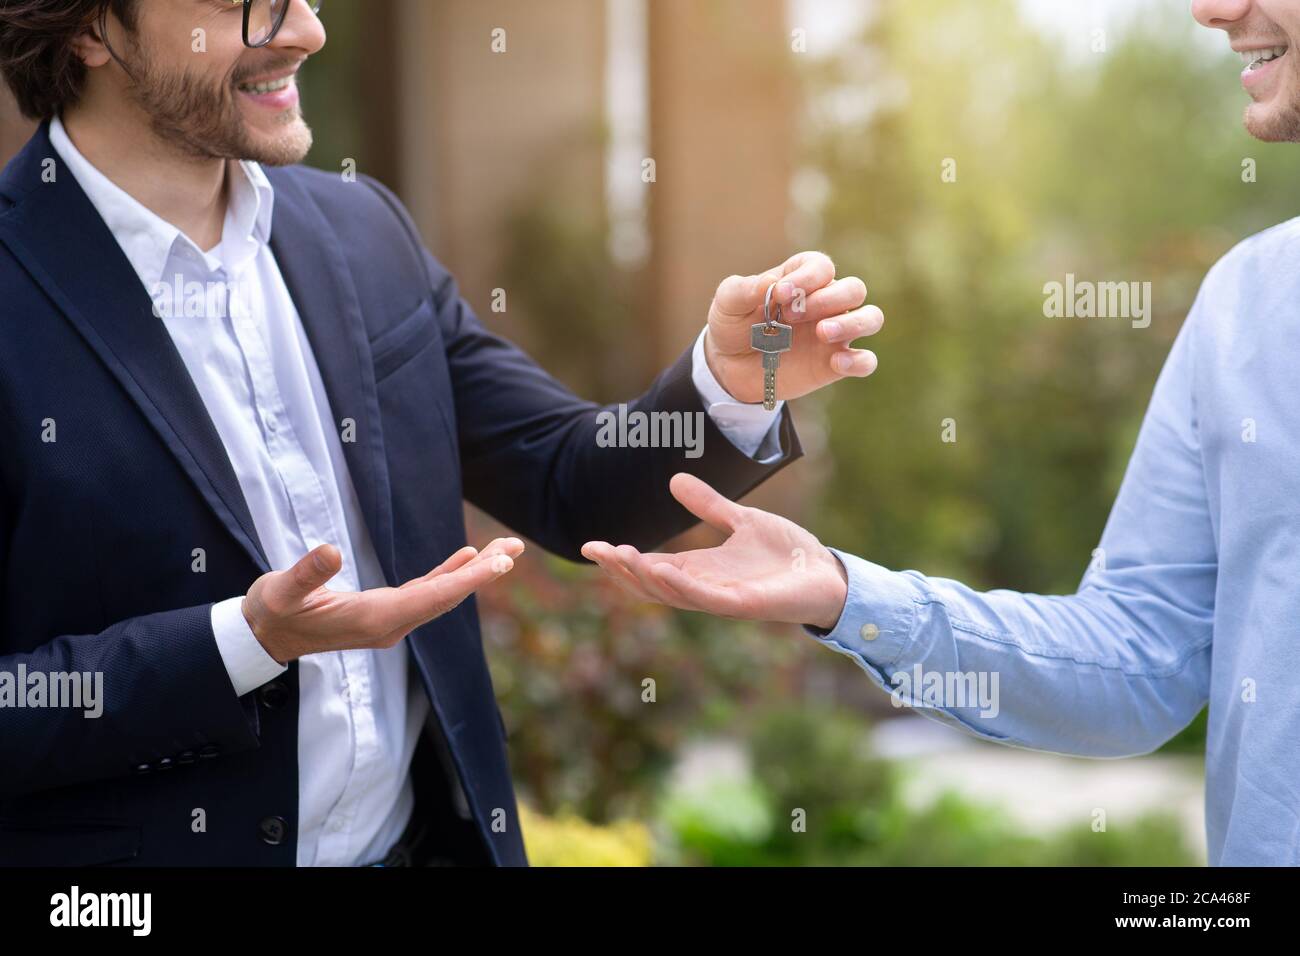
x=1193, y=595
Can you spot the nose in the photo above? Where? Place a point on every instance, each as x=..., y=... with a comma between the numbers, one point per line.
x=1220, y=14
x=302, y=29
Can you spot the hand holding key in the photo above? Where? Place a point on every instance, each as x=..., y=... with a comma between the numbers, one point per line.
x=825, y=316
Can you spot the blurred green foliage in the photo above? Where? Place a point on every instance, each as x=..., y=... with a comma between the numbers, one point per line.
x=1123, y=166
x=570, y=655
x=814, y=760
x=851, y=813
x=1191, y=739
x=560, y=268
x=333, y=99
x=568, y=840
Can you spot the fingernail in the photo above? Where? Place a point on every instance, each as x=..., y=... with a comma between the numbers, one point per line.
x=843, y=363
x=501, y=564
x=832, y=330
x=785, y=290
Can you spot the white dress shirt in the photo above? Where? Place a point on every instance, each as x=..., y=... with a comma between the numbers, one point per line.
x=239, y=334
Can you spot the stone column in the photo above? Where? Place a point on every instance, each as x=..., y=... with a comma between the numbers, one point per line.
x=483, y=130
x=15, y=129
x=722, y=95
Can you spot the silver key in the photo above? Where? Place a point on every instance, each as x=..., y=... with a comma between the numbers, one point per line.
x=771, y=338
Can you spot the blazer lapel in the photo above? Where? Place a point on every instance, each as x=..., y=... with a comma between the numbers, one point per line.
x=310, y=256
x=59, y=237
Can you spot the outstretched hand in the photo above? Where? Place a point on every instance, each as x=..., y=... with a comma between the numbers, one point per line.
x=768, y=569
x=292, y=613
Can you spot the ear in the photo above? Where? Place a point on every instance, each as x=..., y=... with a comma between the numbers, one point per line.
x=90, y=48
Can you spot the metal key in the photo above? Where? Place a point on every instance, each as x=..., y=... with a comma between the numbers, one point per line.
x=771, y=338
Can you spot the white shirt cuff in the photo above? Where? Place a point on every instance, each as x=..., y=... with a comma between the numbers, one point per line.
x=751, y=428
x=246, y=660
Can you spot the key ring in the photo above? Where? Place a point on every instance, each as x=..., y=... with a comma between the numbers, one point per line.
x=767, y=309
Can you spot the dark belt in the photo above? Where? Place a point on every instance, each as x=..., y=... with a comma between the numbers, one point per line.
x=403, y=851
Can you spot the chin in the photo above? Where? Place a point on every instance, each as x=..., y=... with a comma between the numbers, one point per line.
x=284, y=147
x=1271, y=124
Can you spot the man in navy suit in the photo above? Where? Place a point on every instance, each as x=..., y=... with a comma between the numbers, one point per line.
x=225, y=387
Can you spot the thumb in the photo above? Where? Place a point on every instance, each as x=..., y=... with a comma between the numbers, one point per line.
x=705, y=503
x=742, y=295
x=311, y=572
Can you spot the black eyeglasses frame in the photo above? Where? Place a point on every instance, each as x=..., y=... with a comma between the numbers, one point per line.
x=314, y=6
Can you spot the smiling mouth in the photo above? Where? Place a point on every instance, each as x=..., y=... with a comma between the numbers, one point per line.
x=1255, y=59
x=267, y=86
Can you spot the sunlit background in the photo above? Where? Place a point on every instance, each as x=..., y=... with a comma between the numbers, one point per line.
x=1098, y=139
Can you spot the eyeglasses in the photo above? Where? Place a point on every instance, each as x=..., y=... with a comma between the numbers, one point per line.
x=263, y=18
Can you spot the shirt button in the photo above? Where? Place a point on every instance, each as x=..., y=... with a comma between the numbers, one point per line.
x=869, y=632
x=272, y=830
x=274, y=695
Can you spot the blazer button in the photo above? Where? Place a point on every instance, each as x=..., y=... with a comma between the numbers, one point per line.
x=143, y=768
x=210, y=751
x=166, y=763
x=186, y=756
x=274, y=695
x=272, y=830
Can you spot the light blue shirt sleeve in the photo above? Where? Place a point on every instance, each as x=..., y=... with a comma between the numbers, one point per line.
x=1113, y=670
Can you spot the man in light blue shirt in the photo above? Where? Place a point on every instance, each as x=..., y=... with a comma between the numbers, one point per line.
x=1193, y=596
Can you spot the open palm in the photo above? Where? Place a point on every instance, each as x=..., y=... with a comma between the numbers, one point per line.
x=768, y=569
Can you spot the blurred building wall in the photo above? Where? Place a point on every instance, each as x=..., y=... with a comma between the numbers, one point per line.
x=481, y=130
x=15, y=129
x=721, y=111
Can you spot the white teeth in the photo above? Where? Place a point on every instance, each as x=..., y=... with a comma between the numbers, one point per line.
x=1256, y=58
x=272, y=87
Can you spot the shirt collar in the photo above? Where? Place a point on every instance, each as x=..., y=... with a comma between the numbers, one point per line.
x=149, y=241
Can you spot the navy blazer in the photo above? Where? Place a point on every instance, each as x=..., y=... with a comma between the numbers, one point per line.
x=98, y=527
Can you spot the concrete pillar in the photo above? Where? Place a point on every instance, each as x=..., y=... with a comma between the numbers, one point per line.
x=722, y=95
x=484, y=131
x=15, y=129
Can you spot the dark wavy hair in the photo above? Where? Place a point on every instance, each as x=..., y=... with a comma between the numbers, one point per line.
x=36, y=54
